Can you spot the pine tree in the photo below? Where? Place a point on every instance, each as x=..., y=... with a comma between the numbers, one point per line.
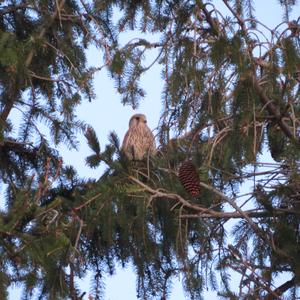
x=231, y=93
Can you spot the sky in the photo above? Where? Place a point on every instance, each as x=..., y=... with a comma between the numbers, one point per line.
x=106, y=114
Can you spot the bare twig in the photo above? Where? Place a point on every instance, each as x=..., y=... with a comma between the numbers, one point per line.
x=237, y=215
x=160, y=194
x=253, y=273
x=87, y=202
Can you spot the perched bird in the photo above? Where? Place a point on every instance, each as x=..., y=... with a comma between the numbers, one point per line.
x=139, y=141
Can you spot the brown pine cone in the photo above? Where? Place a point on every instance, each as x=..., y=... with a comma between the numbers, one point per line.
x=189, y=178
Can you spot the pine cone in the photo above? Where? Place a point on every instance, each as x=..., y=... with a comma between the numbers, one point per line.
x=189, y=178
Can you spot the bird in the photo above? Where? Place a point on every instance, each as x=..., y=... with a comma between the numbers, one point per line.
x=139, y=142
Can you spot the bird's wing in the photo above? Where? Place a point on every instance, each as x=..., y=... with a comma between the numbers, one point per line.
x=126, y=140
x=150, y=140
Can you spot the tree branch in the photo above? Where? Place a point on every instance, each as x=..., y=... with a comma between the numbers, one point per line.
x=12, y=8
x=10, y=103
x=239, y=19
x=236, y=207
x=185, y=203
x=281, y=289
x=266, y=101
x=204, y=212
x=213, y=25
x=237, y=215
x=274, y=111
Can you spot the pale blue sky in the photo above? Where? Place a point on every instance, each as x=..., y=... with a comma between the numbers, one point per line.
x=106, y=113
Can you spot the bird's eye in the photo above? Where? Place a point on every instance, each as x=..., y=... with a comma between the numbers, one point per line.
x=137, y=118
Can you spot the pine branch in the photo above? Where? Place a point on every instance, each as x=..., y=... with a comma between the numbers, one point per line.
x=13, y=143
x=20, y=148
x=266, y=101
x=281, y=289
x=86, y=203
x=236, y=207
x=274, y=111
x=210, y=20
x=253, y=275
x=236, y=215
x=159, y=194
x=12, y=8
x=44, y=29
x=73, y=292
x=10, y=103
x=239, y=19
x=204, y=212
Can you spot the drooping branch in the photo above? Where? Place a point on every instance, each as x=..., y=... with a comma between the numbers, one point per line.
x=210, y=20
x=274, y=111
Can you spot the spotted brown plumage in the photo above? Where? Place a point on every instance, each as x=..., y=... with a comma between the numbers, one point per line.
x=139, y=141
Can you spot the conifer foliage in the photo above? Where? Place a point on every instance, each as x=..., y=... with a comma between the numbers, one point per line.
x=231, y=97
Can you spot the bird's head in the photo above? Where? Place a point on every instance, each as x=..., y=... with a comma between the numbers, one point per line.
x=137, y=119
